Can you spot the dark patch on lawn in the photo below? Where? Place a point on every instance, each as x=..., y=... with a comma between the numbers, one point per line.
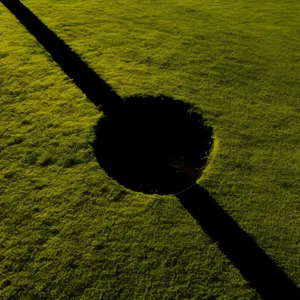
x=161, y=136
x=154, y=145
x=47, y=162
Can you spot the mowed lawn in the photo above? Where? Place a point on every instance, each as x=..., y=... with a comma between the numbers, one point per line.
x=67, y=230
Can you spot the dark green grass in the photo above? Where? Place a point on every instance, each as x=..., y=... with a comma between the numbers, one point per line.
x=70, y=232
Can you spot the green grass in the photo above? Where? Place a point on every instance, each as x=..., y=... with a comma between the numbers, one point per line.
x=67, y=231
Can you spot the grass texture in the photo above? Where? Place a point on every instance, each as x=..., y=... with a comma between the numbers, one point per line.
x=68, y=231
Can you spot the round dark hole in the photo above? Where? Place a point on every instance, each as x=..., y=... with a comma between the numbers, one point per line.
x=153, y=145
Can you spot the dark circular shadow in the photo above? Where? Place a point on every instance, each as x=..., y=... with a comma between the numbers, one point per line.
x=153, y=145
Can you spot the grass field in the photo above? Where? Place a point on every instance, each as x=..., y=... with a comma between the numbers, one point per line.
x=67, y=230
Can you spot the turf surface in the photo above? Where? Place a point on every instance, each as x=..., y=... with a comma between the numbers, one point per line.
x=70, y=232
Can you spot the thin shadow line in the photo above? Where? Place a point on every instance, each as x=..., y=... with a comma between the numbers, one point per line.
x=95, y=88
x=254, y=264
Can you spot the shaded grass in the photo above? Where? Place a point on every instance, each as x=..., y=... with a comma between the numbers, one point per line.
x=154, y=145
x=238, y=61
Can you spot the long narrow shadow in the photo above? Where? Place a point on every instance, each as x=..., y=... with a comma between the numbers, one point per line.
x=96, y=89
x=254, y=264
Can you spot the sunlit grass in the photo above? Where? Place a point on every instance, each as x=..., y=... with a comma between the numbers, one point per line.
x=67, y=230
